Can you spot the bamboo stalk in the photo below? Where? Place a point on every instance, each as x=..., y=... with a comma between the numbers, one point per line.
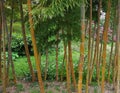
x=37, y=57
x=105, y=37
x=80, y=66
x=89, y=48
x=118, y=41
x=25, y=42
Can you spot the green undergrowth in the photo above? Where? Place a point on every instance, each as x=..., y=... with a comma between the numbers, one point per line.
x=22, y=68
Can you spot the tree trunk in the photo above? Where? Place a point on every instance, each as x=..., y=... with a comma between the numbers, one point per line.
x=57, y=57
x=115, y=70
x=3, y=47
x=4, y=58
x=118, y=41
x=114, y=62
x=105, y=37
x=93, y=50
x=80, y=67
x=10, y=49
x=37, y=58
x=63, y=64
x=68, y=73
x=67, y=66
x=70, y=61
x=114, y=65
x=111, y=57
x=97, y=44
x=0, y=46
x=25, y=42
x=89, y=47
x=65, y=55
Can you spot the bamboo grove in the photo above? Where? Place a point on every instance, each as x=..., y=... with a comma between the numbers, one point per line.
x=68, y=21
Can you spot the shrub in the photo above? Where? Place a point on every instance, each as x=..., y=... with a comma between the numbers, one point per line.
x=18, y=44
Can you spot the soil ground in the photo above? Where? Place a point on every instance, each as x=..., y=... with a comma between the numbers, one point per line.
x=50, y=87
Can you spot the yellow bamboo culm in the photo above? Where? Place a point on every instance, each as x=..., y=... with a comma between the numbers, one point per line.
x=37, y=57
x=89, y=48
x=105, y=37
x=80, y=66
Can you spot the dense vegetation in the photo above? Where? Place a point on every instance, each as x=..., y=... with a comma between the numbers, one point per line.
x=72, y=41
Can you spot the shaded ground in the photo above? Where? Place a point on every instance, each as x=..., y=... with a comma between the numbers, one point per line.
x=50, y=87
x=26, y=87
